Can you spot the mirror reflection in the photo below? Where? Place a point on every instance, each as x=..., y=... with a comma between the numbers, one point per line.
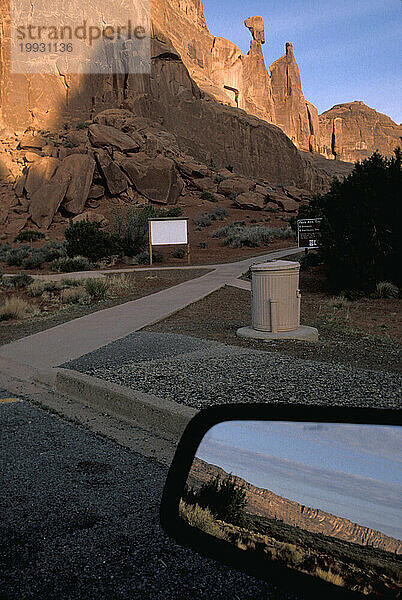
x=321, y=498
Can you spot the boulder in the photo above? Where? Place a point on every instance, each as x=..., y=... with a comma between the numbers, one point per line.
x=81, y=168
x=96, y=191
x=156, y=179
x=116, y=180
x=31, y=157
x=251, y=200
x=192, y=169
x=16, y=225
x=297, y=194
x=104, y=135
x=32, y=141
x=284, y=202
x=235, y=185
x=205, y=185
x=271, y=206
x=45, y=202
x=39, y=172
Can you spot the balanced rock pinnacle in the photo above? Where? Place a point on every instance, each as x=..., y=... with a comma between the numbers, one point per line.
x=256, y=26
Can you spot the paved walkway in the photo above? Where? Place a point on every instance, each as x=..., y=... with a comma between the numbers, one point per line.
x=71, y=340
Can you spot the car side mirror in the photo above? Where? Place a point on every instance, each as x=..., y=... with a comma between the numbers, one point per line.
x=307, y=498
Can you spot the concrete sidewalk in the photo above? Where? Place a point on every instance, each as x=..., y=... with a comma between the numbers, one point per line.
x=71, y=340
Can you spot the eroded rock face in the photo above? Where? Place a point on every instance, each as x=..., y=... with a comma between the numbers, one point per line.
x=353, y=131
x=45, y=202
x=156, y=179
x=294, y=115
x=81, y=169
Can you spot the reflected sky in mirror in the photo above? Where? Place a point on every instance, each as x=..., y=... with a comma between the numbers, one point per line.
x=351, y=471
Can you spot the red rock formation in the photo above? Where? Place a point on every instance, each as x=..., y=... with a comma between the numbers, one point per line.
x=264, y=503
x=294, y=115
x=353, y=131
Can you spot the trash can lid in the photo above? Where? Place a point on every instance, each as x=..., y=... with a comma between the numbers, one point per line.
x=276, y=265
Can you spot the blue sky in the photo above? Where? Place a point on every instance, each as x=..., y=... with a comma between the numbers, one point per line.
x=352, y=471
x=346, y=50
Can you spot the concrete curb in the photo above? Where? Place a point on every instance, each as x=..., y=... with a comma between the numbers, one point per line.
x=157, y=415
x=147, y=411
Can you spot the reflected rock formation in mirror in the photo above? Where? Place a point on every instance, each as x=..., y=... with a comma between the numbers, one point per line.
x=321, y=498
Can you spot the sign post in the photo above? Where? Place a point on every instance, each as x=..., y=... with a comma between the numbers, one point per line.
x=308, y=233
x=168, y=232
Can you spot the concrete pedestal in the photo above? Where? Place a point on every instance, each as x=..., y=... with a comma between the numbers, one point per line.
x=303, y=333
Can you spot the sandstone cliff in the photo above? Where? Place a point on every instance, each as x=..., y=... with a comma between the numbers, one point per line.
x=353, y=131
x=264, y=503
x=241, y=80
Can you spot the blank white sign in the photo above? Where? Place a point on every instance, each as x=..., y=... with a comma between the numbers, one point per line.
x=164, y=233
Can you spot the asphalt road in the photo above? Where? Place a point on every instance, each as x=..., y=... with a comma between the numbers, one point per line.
x=79, y=520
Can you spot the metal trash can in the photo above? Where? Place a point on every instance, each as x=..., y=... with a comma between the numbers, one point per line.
x=275, y=296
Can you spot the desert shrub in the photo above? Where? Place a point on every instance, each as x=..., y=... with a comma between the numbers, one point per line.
x=143, y=258
x=311, y=259
x=71, y=282
x=209, y=196
x=200, y=518
x=35, y=261
x=4, y=249
x=86, y=238
x=36, y=289
x=237, y=235
x=15, y=256
x=203, y=245
x=179, y=253
x=19, y=281
x=360, y=237
x=97, y=288
x=271, y=209
x=81, y=125
x=73, y=295
x=29, y=236
x=201, y=221
x=352, y=294
x=219, y=213
x=386, y=289
x=67, y=265
x=53, y=250
x=14, y=308
x=131, y=228
x=225, y=498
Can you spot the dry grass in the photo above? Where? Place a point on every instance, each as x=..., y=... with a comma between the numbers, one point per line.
x=329, y=576
x=121, y=284
x=73, y=295
x=96, y=288
x=386, y=289
x=14, y=308
x=337, y=302
x=201, y=518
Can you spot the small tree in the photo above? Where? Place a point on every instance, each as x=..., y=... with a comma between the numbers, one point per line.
x=360, y=232
x=225, y=498
x=86, y=238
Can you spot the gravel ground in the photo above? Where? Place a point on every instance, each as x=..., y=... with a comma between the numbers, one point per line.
x=201, y=373
x=80, y=521
x=352, y=344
